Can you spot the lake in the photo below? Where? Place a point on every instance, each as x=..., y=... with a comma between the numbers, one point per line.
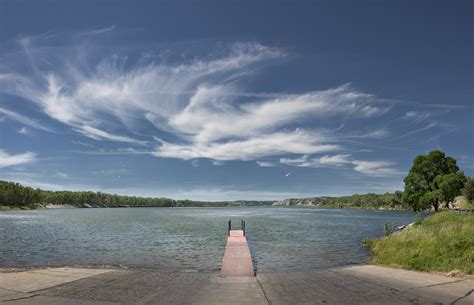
x=280, y=239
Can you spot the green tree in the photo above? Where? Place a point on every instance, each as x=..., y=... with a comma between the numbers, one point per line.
x=468, y=190
x=432, y=179
x=450, y=186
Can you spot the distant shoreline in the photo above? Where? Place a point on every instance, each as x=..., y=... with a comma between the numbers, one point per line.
x=67, y=206
x=14, y=196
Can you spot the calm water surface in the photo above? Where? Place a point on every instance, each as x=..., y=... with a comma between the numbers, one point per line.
x=281, y=239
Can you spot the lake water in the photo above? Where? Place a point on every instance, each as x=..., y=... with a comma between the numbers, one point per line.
x=281, y=239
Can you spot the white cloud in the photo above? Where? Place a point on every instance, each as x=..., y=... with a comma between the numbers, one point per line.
x=201, y=103
x=23, y=119
x=83, y=144
x=23, y=130
x=217, y=163
x=10, y=160
x=81, y=99
x=412, y=132
x=118, y=151
x=265, y=164
x=418, y=116
x=211, y=115
x=195, y=163
x=99, y=31
x=370, y=110
x=98, y=134
x=324, y=161
x=374, y=168
x=336, y=160
x=298, y=142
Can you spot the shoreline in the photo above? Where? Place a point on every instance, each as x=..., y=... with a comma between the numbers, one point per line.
x=67, y=206
x=17, y=269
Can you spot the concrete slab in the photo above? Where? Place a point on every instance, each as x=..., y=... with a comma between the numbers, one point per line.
x=365, y=285
x=396, y=278
x=4, y=292
x=351, y=285
x=29, y=281
x=43, y=300
x=155, y=287
x=237, y=260
x=231, y=291
x=447, y=293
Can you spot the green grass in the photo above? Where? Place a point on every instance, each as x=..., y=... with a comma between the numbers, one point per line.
x=441, y=242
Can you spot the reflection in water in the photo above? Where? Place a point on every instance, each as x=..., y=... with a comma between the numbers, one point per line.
x=280, y=239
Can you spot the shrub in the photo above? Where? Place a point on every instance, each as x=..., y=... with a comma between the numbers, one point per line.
x=468, y=190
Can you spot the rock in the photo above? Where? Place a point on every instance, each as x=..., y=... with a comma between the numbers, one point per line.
x=455, y=273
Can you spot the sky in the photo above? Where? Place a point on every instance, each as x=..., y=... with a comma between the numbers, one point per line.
x=229, y=100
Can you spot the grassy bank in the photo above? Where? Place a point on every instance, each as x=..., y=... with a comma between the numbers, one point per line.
x=441, y=242
x=466, y=204
x=23, y=207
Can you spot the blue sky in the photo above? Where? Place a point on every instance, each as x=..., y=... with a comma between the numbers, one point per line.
x=223, y=100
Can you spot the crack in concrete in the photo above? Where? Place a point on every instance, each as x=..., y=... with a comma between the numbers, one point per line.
x=22, y=298
x=263, y=291
x=465, y=296
x=44, y=292
x=433, y=285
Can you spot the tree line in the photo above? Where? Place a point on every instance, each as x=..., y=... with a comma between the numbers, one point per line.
x=16, y=195
x=367, y=201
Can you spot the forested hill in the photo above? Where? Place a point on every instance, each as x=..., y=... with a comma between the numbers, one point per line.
x=391, y=201
x=14, y=195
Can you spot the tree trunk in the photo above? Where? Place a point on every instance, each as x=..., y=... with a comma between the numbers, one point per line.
x=435, y=205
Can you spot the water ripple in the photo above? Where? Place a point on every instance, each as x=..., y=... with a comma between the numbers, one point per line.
x=280, y=239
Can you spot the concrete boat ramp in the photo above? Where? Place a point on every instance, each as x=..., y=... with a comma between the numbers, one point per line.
x=349, y=285
x=235, y=284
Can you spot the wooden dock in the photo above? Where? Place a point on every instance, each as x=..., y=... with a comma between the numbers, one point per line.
x=237, y=259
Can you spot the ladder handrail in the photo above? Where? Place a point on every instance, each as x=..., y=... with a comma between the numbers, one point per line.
x=229, y=226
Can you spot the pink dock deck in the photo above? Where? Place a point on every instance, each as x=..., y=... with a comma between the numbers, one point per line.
x=237, y=260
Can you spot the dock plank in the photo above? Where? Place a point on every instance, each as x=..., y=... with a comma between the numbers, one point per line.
x=237, y=259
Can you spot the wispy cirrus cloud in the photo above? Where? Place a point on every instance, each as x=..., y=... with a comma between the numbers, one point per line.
x=297, y=142
x=191, y=107
x=7, y=159
x=23, y=119
x=374, y=168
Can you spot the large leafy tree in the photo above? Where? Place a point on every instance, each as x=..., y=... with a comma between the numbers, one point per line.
x=433, y=178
